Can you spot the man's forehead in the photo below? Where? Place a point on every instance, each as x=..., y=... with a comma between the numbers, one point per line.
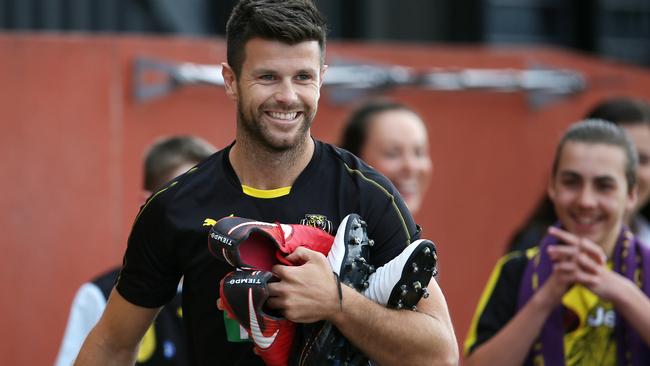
x=595, y=159
x=265, y=50
x=605, y=176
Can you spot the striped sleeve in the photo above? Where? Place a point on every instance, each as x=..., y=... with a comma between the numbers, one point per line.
x=498, y=303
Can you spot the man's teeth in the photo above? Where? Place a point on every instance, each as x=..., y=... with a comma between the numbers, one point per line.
x=586, y=220
x=284, y=116
x=407, y=187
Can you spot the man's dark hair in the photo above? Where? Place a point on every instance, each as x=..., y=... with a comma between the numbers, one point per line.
x=355, y=131
x=287, y=21
x=598, y=131
x=622, y=111
x=167, y=154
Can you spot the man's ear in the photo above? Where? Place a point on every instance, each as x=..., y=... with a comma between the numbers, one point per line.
x=230, y=81
x=550, y=190
x=322, y=74
x=632, y=198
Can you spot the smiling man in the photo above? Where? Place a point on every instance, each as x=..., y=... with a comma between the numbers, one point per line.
x=581, y=296
x=273, y=172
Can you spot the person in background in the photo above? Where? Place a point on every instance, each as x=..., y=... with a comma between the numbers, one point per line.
x=633, y=116
x=581, y=296
x=164, y=342
x=393, y=139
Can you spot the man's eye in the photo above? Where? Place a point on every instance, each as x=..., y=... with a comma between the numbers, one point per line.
x=570, y=182
x=605, y=187
x=391, y=154
x=267, y=77
x=303, y=77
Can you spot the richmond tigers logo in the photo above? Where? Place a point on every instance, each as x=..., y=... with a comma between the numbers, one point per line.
x=319, y=221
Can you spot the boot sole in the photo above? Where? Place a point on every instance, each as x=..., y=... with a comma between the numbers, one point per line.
x=416, y=275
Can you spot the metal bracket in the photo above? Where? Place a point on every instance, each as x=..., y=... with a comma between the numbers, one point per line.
x=154, y=78
x=347, y=80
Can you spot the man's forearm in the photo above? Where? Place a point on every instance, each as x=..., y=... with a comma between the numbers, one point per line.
x=512, y=343
x=116, y=337
x=96, y=352
x=399, y=337
x=634, y=305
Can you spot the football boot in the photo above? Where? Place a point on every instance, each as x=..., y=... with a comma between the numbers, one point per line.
x=403, y=281
x=252, y=244
x=399, y=284
x=349, y=253
x=348, y=257
x=243, y=296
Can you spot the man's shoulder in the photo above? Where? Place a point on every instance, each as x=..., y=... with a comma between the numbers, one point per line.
x=196, y=181
x=521, y=255
x=362, y=190
x=203, y=173
x=343, y=156
x=183, y=200
x=507, y=275
x=513, y=264
x=356, y=168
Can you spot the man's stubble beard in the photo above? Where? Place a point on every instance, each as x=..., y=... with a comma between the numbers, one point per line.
x=258, y=137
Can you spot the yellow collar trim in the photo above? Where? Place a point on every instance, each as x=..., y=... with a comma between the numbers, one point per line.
x=266, y=193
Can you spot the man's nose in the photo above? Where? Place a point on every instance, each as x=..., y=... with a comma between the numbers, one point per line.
x=286, y=92
x=413, y=162
x=587, y=197
x=409, y=162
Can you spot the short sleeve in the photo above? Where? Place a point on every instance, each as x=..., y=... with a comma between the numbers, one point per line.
x=390, y=223
x=498, y=304
x=150, y=269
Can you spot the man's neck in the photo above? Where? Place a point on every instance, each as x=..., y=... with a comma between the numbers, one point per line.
x=262, y=168
x=610, y=242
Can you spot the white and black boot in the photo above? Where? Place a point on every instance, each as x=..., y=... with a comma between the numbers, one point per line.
x=349, y=253
x=402, y=282
x=348, y=257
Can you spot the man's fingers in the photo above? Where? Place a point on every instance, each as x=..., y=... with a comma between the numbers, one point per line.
x=565, y=267
x=277, y=295
x=593, y=251
x=565, y=272
x=588, y=263
x=275, y=303
x=586, y=259
x=583, y=244
x=564, y=236
x=280, y=271
x=301, y=255
x=562, y=252
x=586, y=279
x=274, y=288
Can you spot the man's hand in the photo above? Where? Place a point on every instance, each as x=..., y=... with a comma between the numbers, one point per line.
x=590, y=270
x=306, y=292
x=584, y=262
